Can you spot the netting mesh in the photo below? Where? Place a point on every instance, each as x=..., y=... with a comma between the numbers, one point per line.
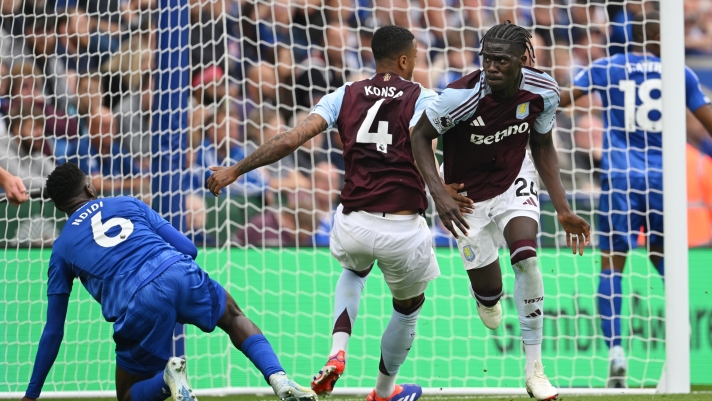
x=80, y=81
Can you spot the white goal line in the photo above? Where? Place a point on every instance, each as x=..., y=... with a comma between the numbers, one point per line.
x=350, y=391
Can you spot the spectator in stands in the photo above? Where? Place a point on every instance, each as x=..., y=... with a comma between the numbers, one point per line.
x=22, y=149
x=133, y=114
x=195, y=219
x=39, y=50
x=209, y=86
x=26, y=90
x=698, y=27
x=10, y=31
x=81, y=49
x=327, y=185
x=290, y=225
x=124, y=71
x=459, y=58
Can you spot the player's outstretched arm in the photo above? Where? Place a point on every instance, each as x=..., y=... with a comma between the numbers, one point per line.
x=270, y=152
x=49, y=344
x=448, y=209
x=704, y=115
x=569, y=96
x=578, y=231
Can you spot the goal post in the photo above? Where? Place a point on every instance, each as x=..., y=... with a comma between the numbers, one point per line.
x=676, y=377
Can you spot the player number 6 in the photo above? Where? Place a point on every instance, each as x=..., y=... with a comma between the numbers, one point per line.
x=99, y=229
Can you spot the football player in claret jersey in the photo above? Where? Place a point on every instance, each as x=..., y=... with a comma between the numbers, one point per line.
x=142, y=272
x=381, y=203
x=486, y=119
x=632, y=175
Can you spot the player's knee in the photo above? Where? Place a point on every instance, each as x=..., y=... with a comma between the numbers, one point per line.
x=409, y=306
x=522, y=254
x=231, y=314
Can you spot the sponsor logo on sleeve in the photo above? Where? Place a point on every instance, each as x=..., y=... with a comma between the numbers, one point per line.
x=443, y=123
x=469, y=254
x=523, y=111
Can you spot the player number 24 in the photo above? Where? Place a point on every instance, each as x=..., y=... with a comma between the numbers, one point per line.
x=641, y=117
x=381, y=137
x=99, y=229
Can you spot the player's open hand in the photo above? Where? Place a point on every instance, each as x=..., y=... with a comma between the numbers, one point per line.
x=222, y=177
x=450, y=215
x=578, y=231
x=466, y=204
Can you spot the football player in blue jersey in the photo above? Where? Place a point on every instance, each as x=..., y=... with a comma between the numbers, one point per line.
x=632, y=174
x=141, y=270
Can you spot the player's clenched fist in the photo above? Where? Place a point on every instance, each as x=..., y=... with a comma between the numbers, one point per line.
x=578, y=231
x=222, y=177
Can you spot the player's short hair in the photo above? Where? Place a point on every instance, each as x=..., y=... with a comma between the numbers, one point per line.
x=64, y=183
x=645, y=26
x=508, y=32
x=390, y=42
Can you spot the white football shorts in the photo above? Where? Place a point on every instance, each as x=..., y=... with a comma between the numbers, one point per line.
x=490, y=217
x=402, y=245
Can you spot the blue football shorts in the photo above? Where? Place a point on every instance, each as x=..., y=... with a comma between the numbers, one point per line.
x=183, y=293
x=626, y=205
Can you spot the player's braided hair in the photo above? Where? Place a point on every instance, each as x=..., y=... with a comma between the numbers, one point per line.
x=390, y=42
x=511, y=33
x=64, y=183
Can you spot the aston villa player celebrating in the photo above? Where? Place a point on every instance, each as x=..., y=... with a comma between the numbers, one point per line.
x=487, y=118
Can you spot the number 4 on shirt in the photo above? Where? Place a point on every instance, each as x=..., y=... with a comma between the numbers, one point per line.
x=381, y=137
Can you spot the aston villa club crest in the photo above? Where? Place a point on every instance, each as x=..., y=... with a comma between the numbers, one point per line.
x=387, y=76
x=469, y=254
x=523, y=111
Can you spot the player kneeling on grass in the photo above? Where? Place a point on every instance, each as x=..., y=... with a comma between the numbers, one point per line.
x=141, y=271
x=487, y=118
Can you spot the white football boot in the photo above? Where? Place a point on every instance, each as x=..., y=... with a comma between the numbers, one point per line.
x=175, y=377
x=287, y=390
x=538, y=385
x=618, y=368
x=491, y=315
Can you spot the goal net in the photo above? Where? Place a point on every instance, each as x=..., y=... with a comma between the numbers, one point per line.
x=146, y=95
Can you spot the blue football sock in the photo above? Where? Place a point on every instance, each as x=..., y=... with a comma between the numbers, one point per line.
x=610, y=300
x=660, y=266
x=153, y=389
x=260, y=352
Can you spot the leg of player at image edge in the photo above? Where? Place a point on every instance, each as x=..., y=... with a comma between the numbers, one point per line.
x=529, y=299
x=610, y=300
x=488, y=307
x=395, y=344
x=348, y=296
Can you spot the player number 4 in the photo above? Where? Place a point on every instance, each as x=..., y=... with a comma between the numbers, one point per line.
x=381, y=137
x=100, y=229
x=641, y=117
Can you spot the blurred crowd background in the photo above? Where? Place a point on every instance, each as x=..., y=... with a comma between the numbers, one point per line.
x=77, y=82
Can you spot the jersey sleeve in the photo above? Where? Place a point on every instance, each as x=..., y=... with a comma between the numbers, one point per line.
x=427, y=96
x=453, y=106
x=330, y=105
x=594, y=76
x=545, y=121
x=694, y=97
x=155, y=221
x=60, y=275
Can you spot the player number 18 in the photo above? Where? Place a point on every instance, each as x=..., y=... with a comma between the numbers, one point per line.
x=641, y=117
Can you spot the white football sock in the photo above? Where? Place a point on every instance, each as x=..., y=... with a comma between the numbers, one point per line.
x=347, y=298
x=395, y=344
x=529, y=299
x=533, y=352
x=385, y=385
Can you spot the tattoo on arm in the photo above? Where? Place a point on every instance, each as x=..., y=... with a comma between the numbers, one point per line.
x=283, y=144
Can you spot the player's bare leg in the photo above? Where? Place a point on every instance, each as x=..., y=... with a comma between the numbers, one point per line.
x=486, y=288
x=520, y=234
x=610, y=302
x=248, y=338
x=348, y=297
x=395, y=344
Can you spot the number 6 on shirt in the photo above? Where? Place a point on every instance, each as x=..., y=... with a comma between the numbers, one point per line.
x=100, y=229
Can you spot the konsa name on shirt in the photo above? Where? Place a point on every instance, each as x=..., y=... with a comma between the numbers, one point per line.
x=388, y=91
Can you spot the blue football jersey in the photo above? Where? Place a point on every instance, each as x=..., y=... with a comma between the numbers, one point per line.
x=111, y=244
x=629, y=85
